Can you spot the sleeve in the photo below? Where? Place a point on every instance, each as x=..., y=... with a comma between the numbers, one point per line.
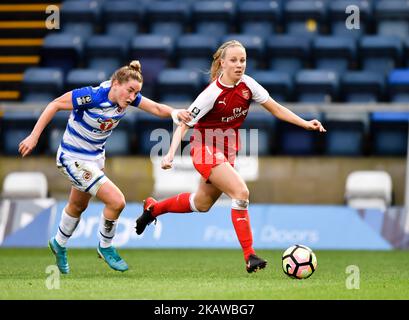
x=258, y=92
x=203, y=104
x=137, y=100
x=83, y=98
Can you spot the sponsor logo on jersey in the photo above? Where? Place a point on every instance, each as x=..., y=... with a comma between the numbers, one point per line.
x=195, y=112
x=222, y=101
x=237, y=112
x=84, y=100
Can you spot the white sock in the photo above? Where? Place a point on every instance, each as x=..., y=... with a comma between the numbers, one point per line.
x=107, y=229
x=66, y=228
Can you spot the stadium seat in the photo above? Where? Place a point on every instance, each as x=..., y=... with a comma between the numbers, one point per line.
x=362, y=87
x=368, y=190
x=304, y=17
x=258, y=17
x=122, y=18
x=63, y=51
x=392, y=18
x=16, y=127
x=213, y=17
x=167, y=17
x=25, y=185
x=288, y=53
x=153, y=134
x=254, y=48
x=294, y=140
x=178, y=85
x=55, y=131
x=316, y=86
x=264, y=123
x=80, y=17
x=195, y=51
x=389, y=133
x=345, y=134
x=338, y=17
x=42, y=84
x=334, y=53
x=278, y=84
x=106, y=53
x=153, y=51
x=398, y=85
x=78, y=78
x=380, y=53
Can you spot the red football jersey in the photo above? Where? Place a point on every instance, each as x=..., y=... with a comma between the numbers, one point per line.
x=219, y=111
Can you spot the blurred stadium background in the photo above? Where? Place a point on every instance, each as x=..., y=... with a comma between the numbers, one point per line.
x=346, y=189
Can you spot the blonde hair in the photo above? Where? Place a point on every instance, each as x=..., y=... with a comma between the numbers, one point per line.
x=132, y=71
x=215, y=69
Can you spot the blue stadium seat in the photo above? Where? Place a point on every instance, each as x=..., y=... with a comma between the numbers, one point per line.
x=362, y=86
x=294, y=140
x=389, y=133
x=316, y=86
x=167, y=17
x=151, y=133
x=178, y=85
x=78, y=78
x=304, y=16
x=288, y=53
x=42, y=84
x=254, y=48
x=213, y=17
x=106, y=53
x=380, y=53
x=264, y=123
x=119, y=142
x=334, y=53
x=122, y=19
x=392, y=17
x=153, y=51
x=278, y=84
x=55, y=131
x=16, y=126
x=195, y=51
x=338, y=17
x=258, y=17
x=398, y=84
x=63, y=51
x=80, y=17
x=345, y=134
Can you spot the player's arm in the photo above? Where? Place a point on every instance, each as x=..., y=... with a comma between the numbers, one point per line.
x=164, y=111
x=177, y=138
x=63, y=102
x=285, y=114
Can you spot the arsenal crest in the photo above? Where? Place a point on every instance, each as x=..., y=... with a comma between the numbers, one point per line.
x=246, y=94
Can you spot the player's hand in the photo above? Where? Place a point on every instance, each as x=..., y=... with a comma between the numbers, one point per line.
x=167, y=162
x=27, y=145
x=184, y=116
x=315, y=125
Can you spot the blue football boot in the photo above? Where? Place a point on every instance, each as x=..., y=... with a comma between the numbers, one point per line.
x=60, y=255
x=112, y=258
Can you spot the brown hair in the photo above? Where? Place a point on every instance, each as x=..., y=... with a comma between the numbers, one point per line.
x=131, y=71
x=220, y=54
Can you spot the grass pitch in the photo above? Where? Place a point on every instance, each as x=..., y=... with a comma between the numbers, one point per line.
x=202, y=275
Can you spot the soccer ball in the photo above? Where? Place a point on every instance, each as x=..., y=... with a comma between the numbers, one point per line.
x=299, y=262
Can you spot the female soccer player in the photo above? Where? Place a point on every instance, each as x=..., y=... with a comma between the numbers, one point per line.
x=217, y=113
x=96, y=111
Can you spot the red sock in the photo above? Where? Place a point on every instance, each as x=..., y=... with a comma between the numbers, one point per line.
x=241, y=224
x=178, y=204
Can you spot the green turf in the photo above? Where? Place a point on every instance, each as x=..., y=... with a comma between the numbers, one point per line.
x=201, y=274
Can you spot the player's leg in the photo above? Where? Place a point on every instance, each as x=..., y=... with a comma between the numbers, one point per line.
x=114, y=201
x=70, y=217
x=226, y=179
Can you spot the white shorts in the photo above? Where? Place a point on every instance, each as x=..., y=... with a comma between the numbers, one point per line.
x=84, y=175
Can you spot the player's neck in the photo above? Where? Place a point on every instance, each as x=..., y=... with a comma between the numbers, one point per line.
x=225, y=80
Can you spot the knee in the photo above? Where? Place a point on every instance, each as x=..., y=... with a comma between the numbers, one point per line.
x=242, y=193
x=118, y=203
x=203, y=207
x=76, y=208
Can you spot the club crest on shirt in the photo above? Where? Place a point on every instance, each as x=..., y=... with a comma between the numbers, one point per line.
x=86, y=175
x=107, y=124
x=245, y=93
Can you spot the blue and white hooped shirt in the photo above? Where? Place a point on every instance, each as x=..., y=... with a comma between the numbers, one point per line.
x=91, y=122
